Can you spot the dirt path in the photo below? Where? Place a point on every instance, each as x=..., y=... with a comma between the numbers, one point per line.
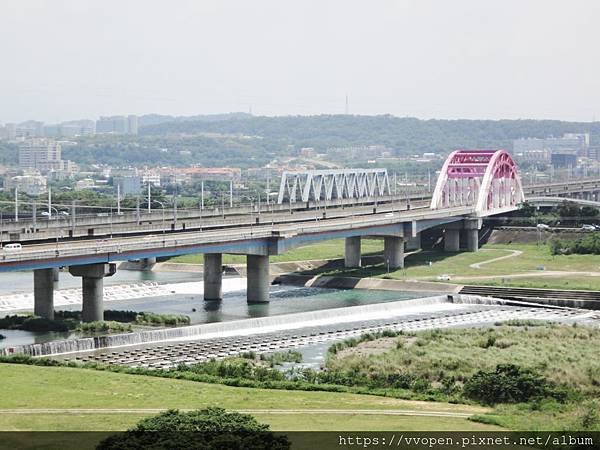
x=383, y=412
x=512, y=254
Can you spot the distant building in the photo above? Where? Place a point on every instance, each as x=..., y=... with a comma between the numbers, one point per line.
x=43, y=155
x=594, y=153
x=8, y=132
x=39, y=154
x=151, y=177
x=86, y=183
x=564, y=159
x=577, y=143
x=31, y=184
x=128, y=184
x=117, y=125
x=70, y=129
x=537, y=156
x=30, y=129
x=358, y=151
x=132, y=122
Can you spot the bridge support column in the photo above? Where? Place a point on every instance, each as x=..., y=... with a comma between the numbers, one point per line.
x=213, y=276
x=413, y=243
x=451, y=240
x=472, y=227
x=393, y=250
x=473, y=240
x=258, y=281
x=92, y=283
x=147, y=263
x=352, y=252
x=43, y=293
x=55, y=277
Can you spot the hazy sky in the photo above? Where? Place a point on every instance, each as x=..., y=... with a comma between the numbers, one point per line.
x=65, y=59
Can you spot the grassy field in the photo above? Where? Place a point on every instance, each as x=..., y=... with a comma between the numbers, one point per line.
x=564, y=355
x=575, y=282
x=324, y=250
x=530, y=267
x=71, y=389
x=459, y=353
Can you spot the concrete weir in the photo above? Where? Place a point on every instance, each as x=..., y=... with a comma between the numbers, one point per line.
x=256, y=326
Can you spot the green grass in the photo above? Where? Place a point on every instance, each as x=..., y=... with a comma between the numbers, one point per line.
x=574, y=282
x=502, y=272
x=564, y=355
x=458, y=353
x=34, y=387
x=457, y=265
x=323, y=250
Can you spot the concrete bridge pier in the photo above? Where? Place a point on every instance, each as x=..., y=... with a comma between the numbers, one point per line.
x=147, y=263
x=451, y=239
x=43, y=292
x=352, y=252
x=413, y=243
x=472, y=227
x=258, y=278
x=55, y=277
x=213, y=276
x=393, y=250
x=92, y=283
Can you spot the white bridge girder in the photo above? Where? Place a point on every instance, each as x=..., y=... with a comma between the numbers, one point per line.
x=317, y=185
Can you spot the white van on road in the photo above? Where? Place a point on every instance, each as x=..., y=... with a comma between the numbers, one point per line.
x=12, y=248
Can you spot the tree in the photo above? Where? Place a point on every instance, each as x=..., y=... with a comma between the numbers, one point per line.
x=211, y=428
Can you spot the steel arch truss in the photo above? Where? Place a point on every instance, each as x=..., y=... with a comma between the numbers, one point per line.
x=317, y=185
x=488, y=180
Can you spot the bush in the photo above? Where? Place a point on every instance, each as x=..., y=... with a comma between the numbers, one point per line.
x=507, y=384
x=278, y=358
x=32, y=323
x=211, y=428
x=103, y=326
x=149, y=318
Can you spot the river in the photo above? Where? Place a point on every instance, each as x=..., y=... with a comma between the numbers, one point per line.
x=185, y=297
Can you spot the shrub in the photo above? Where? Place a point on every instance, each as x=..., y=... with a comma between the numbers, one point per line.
x=103, y=326
x=280, y=357
x=211, y=428
x=507, y=384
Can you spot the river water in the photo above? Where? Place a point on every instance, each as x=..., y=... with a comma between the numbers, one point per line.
x=186, y=298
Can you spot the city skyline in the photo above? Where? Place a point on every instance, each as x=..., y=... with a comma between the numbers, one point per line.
x=421, y=59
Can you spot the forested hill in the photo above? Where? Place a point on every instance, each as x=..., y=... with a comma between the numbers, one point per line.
x=403, y=134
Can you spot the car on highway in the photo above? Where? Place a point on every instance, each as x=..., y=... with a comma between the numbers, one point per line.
x=390, y=214
x=543, y=226
x=587, y=227
x=12, y=248
x=443, y=277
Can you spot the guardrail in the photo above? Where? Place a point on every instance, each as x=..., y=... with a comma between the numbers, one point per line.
x=117, y=246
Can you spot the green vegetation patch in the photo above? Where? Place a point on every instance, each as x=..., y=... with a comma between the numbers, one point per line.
x=457, y=354
x=72, y=388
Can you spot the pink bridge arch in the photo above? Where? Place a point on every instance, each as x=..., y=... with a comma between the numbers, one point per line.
x=487, y=180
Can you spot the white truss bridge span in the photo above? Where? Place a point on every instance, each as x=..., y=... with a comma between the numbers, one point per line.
x=317, y=185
